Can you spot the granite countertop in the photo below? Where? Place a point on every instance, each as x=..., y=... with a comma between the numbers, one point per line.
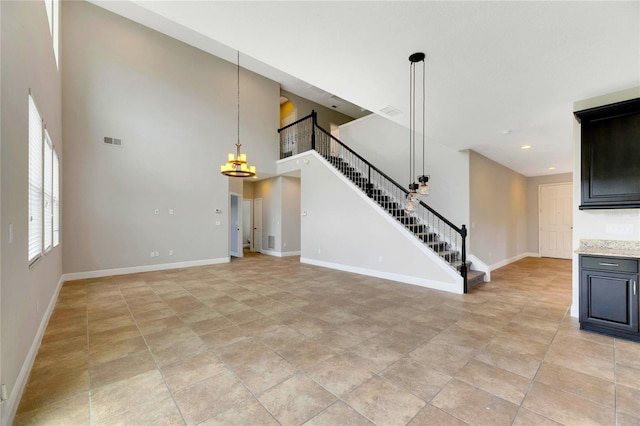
x=610, y=248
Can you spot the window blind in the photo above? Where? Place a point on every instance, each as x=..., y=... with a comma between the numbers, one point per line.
x=48, y=192
x=35, y=182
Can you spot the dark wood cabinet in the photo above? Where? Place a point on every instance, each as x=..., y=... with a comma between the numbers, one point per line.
x=610, y=155
x=609, y=296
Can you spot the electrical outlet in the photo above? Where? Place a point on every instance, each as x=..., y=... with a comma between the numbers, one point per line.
x=170, y=211
x=170, y=252
x=217, y=223
x=153, y=254
x=157, y=253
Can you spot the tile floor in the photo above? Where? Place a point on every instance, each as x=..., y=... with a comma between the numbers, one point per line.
x=270, y=341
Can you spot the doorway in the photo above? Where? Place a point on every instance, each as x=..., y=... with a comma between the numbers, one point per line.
x=235, y=222
x=257, y=224
x=556, y=220
x=247, y=225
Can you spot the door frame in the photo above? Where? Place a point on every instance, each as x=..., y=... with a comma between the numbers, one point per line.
x=540, y=208
x=238, y=230
x=257, y=224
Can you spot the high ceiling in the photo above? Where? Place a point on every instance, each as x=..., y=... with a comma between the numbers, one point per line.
x=500, y=74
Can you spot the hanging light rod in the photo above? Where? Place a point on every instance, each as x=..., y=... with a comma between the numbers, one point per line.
x=236, y=165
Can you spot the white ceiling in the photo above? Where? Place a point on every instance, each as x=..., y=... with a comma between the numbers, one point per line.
x=492, y=67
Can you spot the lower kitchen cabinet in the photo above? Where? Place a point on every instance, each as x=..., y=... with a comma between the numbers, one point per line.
x=609, y=296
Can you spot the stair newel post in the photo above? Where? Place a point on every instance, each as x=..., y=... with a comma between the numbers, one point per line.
x=314, y=117
x=463, y=267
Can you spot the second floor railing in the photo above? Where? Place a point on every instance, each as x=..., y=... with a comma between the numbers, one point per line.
x=427, y=224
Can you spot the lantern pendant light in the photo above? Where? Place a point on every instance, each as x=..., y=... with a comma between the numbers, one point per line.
x=236, y=165
x=421, y=188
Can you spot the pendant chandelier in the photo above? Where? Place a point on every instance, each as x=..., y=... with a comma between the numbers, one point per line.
x=236, y=165
x=422, y=188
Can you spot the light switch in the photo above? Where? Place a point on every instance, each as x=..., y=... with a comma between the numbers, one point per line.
x=217, y=223
x=170, y=211
x=157, y=211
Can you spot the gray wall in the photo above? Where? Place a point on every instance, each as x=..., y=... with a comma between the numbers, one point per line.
x=498, y=211
x=174, y=107
x=27, y=63
x=532, y=205
x=290, y=214
x=325, y=115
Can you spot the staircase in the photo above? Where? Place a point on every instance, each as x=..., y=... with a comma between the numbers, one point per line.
x=411, y=223
x=432, y=229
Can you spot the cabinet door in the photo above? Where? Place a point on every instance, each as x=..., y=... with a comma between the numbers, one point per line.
x=609, y=299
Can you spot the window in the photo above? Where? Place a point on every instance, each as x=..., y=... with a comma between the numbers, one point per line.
x=48, y=192
x=44, y=188
x=35, y=182
x=56, y=199
x=53, y=17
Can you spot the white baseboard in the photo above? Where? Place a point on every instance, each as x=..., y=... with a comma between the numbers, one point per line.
x=280, y=253
x=147, y=268
x=513, y=259
x=436, y=285
x=23, y=377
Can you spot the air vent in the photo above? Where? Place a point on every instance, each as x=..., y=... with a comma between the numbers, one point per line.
x=113, y=141
x=390, y=111
x=271, y=242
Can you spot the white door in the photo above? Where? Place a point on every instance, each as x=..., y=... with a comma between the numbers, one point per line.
x=235, y=221
x=556, y=220
x=257, y=224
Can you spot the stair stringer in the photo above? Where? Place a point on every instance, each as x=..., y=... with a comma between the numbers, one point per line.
x=334, y=236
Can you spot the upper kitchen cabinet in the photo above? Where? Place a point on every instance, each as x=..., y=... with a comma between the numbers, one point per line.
x=610, y=156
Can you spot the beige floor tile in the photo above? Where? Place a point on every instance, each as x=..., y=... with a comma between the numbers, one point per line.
x=159, y=410
x=265, y=372
x=564, y=407
x=624, y=419
x=109, y=351
x=122, y=368
x=501, y=383
x=206, y=398
x=189, y=371
x=433, y=416
x=306, y=354
x=242, y=352
x=628, y=376
x=443, y=357
x=377, y=356
x=628, y=400
x=499, y=330
x=110, y=323
x=384, y=403
x=49, y=389
x=339, y=414
x=296, y=400
x=340, y=375
x=473, y=405
x=73, y=410
x=584, y=385
x=529, y=418
x=250, y=412
x=417, y=378
x=118, y=397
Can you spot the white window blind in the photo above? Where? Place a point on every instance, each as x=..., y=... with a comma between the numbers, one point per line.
x=48, y=192
x=35, y=182
x=56, y=199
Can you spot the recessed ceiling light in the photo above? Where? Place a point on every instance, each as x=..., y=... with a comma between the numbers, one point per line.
x=525, y=147
x=552, y=168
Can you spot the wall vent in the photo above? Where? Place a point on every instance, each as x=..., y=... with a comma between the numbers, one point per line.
x=271, y=242
x=113, y=141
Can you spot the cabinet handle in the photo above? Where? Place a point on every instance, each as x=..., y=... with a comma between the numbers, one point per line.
x=634, y=287
x=608, y=264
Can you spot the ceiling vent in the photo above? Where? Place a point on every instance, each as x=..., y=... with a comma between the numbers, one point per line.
x=390, y=111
